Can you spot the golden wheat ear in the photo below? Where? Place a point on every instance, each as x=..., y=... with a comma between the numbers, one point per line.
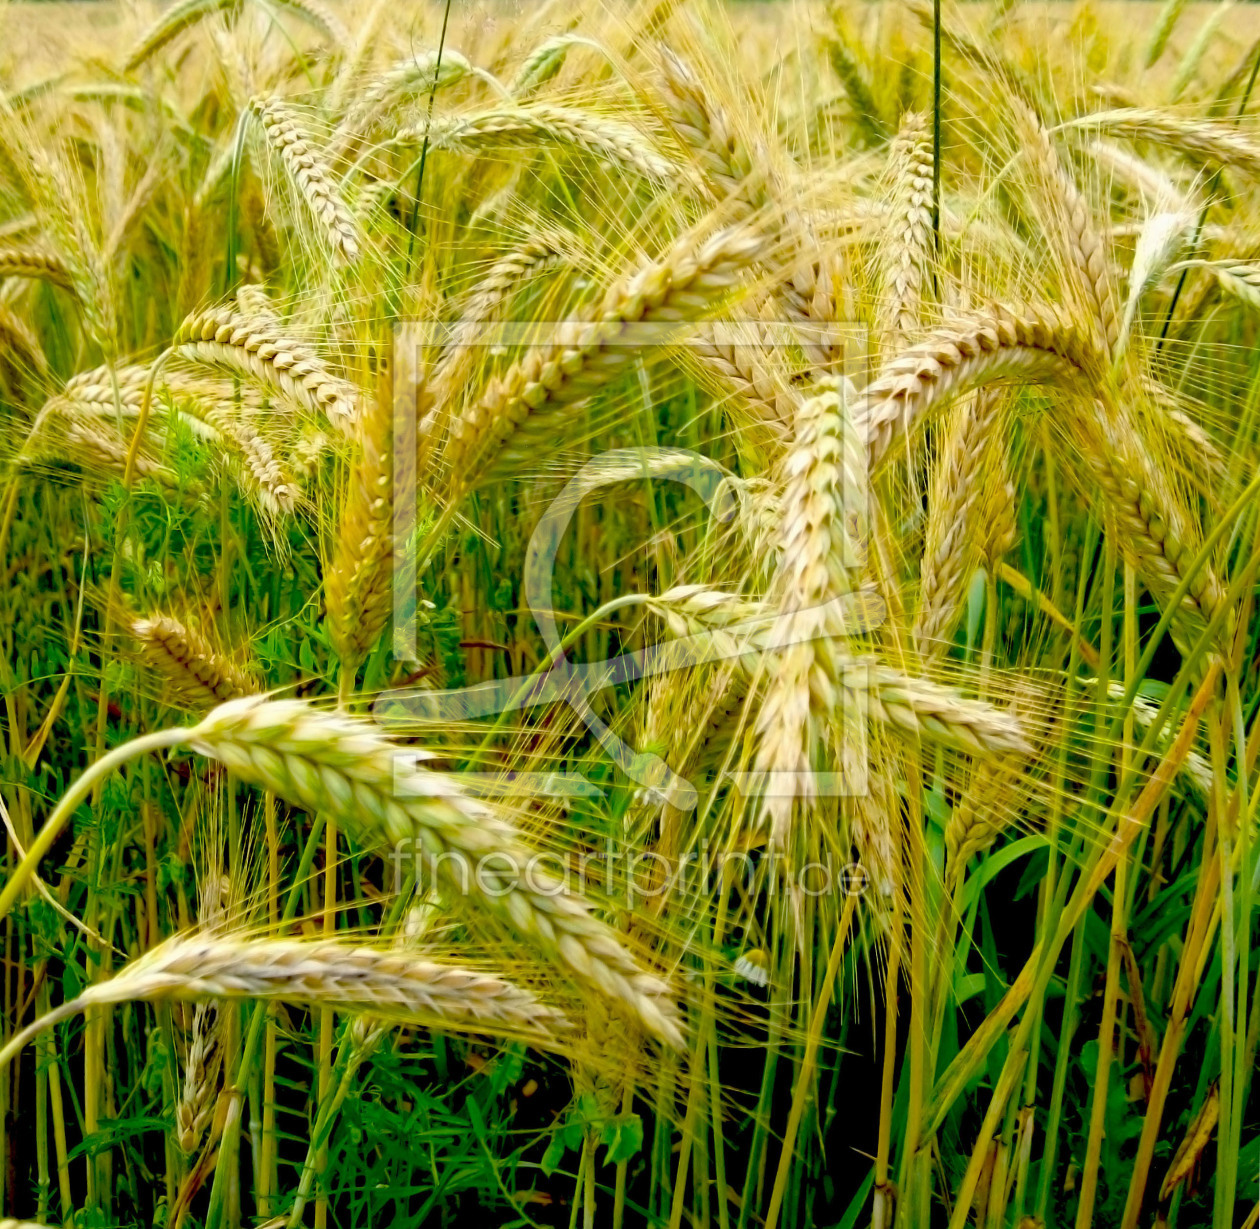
x=306, y=163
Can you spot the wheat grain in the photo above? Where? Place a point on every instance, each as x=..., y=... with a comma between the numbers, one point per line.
x=203, y=1064
x=1239, y=278
x=1154, y=531
x=1169, y=14
x=852, y=76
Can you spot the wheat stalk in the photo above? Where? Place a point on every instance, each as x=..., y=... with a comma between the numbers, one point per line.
x=307, y=165
x=345, y=768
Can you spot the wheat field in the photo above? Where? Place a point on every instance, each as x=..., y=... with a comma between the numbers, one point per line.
x=637, y=614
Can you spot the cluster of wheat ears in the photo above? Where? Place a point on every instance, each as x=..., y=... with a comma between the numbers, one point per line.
x=925, y=825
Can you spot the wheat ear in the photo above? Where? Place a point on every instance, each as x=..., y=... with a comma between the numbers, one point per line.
x=197, y=673
x=20, y=339
x=358, y=590
x=203, y=1064
x=259, y=471
x=1213, y=141
x=906, y=241
x=1153, y=531
x=344, y=767
x=514, y=127
x=256, y=346
x=307, y=165
x=731, y=168
x=1072, y=223
x=1239, y=278
x=1028, y=344
x=35, y=263
x=320, y=17
x=181, y=16
x=533, y=258
x=384, y=982
x=587, y=354
x=824, y=489
x=960, y=501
